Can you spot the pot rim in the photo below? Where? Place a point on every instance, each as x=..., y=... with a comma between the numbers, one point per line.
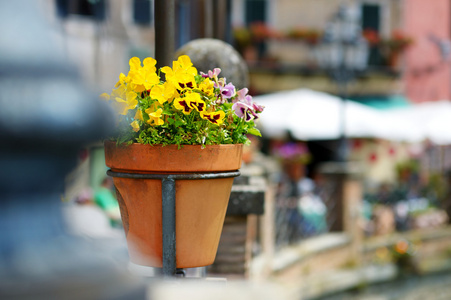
x=138, y=157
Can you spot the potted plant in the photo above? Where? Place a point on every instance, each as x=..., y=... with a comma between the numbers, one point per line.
x=187, y=123
x=308, y=35
x=395, y=46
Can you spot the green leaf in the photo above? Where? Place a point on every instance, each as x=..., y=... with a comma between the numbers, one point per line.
x=254, y=131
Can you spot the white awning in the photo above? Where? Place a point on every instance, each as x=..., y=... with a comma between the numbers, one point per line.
x=313, y=115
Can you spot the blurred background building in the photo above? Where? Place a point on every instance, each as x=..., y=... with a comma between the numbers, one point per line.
x=408, y=59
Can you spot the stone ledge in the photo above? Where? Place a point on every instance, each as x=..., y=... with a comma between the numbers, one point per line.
x=429, y=234
x=291, y=255
x=340, y=280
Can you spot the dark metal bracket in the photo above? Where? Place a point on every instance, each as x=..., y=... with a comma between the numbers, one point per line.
x=168, y=208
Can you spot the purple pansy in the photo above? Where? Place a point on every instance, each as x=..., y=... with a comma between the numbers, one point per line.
x=241, y=94
x=211, y=74
x=245, y=107
x=243, y=110
x=257, y=107
x=228, y=91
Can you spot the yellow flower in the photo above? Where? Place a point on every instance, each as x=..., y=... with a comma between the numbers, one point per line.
x=162, y=92
x=184, y=64
x=182, y=73
x=149, y=63
x=214, y=117
x=135, y=125
x=189, y=102
x=181, y=80
x=134, y=63
x=207, y=87
x=155, y=117
x=125, y=99
x=183, y=105
x=139, y=115
x=194, y=101
x=143, y=78
x=105, y=96
x=122, y=80
x=186, y=81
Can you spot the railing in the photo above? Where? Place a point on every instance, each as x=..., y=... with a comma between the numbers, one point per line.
x=302, y=214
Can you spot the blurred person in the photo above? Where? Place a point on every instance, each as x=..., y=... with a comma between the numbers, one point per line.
x=287, y=197
x=106, y=200
x=402, y=216
x=293, y=157
x=312, y=208
x=84, y=217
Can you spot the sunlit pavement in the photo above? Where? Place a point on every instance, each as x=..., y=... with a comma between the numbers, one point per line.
x=430, y=287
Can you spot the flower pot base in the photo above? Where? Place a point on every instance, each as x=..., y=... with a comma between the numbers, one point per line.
x=200, y=209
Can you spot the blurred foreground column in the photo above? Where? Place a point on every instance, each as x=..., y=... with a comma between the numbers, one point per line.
x=46, y=116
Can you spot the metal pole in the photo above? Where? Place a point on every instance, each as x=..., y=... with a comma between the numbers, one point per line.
x=219, y=7
x=343, y=142
x=342, y=77
x=168, y=224
x=208, y=19
x=164, y=32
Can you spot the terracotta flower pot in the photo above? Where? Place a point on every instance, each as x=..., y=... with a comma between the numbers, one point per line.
x=200, y=204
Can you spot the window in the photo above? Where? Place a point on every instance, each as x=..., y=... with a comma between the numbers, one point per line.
x=89, y=8
x=142, y=12
x=371, y=20
x=371, y=16
x=255, y=11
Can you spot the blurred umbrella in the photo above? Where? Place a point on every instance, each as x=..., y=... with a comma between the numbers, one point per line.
x=313, y=115
x=429, y=120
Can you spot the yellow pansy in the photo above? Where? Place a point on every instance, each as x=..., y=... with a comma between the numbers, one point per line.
x=155, y=117
x=182, y=75
x=105, y=96
x=183, y=105
x=180, y=80
x=122, y=107
x=162, y=92
x=194, y=101
x=143, y=78
x=207, y=87
x=125, y=99
x=134, y=63
x=184, y=64
x=189, y=102
x=200, y=105
x=135, y=125
x=185, y=81
x=122, y=80
x=150, y=63
x=168, y=72
x=139, y=115
x=214, y=117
